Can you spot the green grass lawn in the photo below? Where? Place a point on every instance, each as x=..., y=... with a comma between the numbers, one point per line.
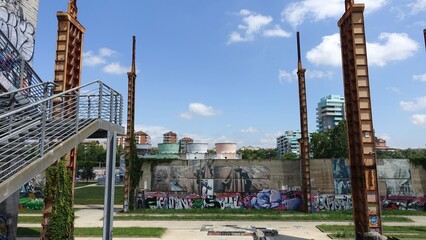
x=95, y=195
x=82, y=184
x=347, y=231
x=118, y=232
x=248, y=215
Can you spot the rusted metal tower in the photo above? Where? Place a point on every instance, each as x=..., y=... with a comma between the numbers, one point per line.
x=128, y=191
x=304, y=141
x=68, y=63
x=424, y=35
x=365, y=196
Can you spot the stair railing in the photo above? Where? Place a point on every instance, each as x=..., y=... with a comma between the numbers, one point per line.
x=29, y=132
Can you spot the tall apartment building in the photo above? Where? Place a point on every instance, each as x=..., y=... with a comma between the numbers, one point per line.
x=289, y=142
x=169, y=137
x=183, y=144
x=142, y=138
x=330, y=111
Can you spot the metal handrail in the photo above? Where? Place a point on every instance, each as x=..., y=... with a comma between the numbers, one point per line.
x=30, y=131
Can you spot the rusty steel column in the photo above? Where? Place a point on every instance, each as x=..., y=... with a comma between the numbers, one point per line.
x=424, y=35
x=67, y=76
x=128, y=191
x=365, y=194
x=304, y=141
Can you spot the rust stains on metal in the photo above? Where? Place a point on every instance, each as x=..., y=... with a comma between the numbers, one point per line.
x=304, y=141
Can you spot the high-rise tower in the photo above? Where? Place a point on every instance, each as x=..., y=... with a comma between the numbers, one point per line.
x=330, y=111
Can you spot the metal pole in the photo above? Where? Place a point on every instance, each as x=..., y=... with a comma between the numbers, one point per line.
x=109, y=185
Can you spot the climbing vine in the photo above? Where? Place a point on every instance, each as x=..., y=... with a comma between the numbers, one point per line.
x=59, y=189
x=135, y=173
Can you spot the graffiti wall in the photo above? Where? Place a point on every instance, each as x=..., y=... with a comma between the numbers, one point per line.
x=397, y=176
x=204, y=178
x=341, y=177
x=329, y=202
x=18, y=21
x=264, y=199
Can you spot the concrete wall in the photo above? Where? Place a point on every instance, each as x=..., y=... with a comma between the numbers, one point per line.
x=328, y=176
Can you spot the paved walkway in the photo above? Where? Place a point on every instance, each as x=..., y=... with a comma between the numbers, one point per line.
x=191, y=230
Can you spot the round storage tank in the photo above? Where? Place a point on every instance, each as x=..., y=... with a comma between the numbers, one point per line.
x=172, y=148
x=196, y=147
x=224, y=148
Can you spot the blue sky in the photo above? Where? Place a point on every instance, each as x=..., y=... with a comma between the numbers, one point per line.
x=224, y=70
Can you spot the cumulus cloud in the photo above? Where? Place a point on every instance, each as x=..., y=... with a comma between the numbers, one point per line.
x=417, y=6
x=393, y=90
x=295, y=13
x=419, y=120
x=249, y=130
x=155, y=132
x=115, y=68
x=392, y=47
x=395, y=47
x=421, y=78
x=92, y=59
x=327, y=52
x=418, y=104
x=317, y=74
x=253, y=24
x=199, y=109
x=284, y=76
x=276, y=32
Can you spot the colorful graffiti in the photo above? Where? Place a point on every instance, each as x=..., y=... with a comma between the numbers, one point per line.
x=265, y=199
x=404, y=203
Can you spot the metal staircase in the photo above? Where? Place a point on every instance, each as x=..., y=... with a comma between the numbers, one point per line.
x=37, y=128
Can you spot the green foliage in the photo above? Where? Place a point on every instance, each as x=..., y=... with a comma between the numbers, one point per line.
x=139, y=232
x=153, y=151
x=290, y=156
x=262, y=153
x=86, y=170
x=59, y=189
x=330, y=144
x=135, y=172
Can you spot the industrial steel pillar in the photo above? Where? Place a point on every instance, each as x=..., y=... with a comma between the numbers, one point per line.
x=304, y=141
x=128, y=191
x=67, y=75
x=109, y=185
x=424, y=35
x=365, y=194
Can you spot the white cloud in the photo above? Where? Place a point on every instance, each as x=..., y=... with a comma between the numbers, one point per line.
x=91, y=59
x=419, y=119
x=284, y=76
x=276, y=32
x=421, y=78
x=393, y=90
x=199, y=109
x=394, y=47
x=317, y=74
x=249, y=130
x=155, y=132
x=115, y=68
x=327, y=52
x=418, y=104
x=417, y=6
x=296, y=12
x=253, y=24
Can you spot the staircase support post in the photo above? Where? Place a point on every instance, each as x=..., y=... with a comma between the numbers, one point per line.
x=109, y=185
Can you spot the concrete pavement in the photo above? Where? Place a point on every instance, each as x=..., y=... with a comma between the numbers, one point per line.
x=191, y=230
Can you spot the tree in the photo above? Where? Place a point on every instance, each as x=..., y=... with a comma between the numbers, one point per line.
x=330, y=144
x=262, y=153
x=88, y=156
x=290, y=156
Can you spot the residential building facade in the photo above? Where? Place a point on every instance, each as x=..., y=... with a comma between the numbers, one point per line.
x=170, y=137
x=330, y=112
x=289, y=142
x=183, y=143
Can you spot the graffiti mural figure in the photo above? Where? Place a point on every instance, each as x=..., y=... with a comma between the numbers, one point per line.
x=266, y=199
